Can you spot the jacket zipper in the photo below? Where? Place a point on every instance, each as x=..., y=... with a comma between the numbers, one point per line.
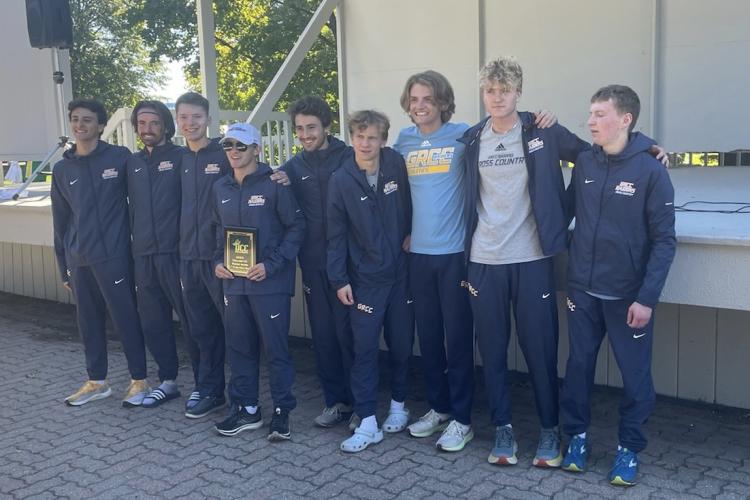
x=151, y=199
x=380, y=203
x=96, y=204
x=596, y=227
x=197, y=203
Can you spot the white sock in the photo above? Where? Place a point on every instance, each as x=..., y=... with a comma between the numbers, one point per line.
x=251, y=409
x=509, y=426
x=581, y=435
x=100, y=382
x=396, y=406
x=369, y=424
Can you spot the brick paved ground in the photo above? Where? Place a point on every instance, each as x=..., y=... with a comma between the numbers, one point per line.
x=102, y=450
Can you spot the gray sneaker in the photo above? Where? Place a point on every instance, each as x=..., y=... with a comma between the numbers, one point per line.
x=333, y=415
x=428, y=424
x=548, y=452
x=354, y=422
x=505, y=448
x=455, y=437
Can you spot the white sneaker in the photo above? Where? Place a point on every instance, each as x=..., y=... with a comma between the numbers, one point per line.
x=455, y=437
x=396, y=421
x=428, y=424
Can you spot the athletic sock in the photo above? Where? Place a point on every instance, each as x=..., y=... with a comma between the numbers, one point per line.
x=369, y=424
x=396, y=406
x=252, y=410
x=168, y=386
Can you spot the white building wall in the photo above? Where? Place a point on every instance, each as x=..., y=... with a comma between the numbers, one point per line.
x=687, y=59
x=568, y=50
x=29, y=128
x=704, y=80
x=389, y=40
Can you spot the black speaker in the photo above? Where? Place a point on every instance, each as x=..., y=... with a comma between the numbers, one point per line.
x=49, y=24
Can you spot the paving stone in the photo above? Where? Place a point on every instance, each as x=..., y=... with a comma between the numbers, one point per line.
x=8, y=484
x=102, y=450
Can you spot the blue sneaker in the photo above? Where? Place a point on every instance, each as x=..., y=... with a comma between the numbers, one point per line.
x=548, y=452
x=577, y=455
x=504, y=451
x=625, y=468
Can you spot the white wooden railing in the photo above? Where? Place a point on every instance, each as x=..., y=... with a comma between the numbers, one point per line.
x=276, y=133
x=275, y=127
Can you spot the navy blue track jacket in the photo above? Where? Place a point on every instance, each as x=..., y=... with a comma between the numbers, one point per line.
x=309, y=174
x=199, y=171
x=366, y=228
x=154, y=195
x=624, y=237
x=89, y=207
x=543, y=150
x=270, y=208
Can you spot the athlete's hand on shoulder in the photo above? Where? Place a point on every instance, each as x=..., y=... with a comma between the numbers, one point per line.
x=345, y=295
x=223, y=273
x=660, y=154
x=544, y=119
x=257, y=272
x=638, y=315
x=406, y=245
x=281, y=177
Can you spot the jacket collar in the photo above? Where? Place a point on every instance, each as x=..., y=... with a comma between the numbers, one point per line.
x=260, y=173
x=473, y=133
x=351, y=168
x=101, y=147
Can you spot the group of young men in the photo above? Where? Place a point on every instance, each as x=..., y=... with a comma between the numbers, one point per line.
x=452, y=229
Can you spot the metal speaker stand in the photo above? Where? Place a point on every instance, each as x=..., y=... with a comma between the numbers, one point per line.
x=58, y=78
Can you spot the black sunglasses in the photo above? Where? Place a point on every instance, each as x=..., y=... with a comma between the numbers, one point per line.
x=228, y=145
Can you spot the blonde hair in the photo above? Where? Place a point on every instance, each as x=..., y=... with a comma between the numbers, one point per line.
x=503, y=70
x=360, y=120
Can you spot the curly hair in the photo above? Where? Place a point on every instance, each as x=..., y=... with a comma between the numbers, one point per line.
x=503, y=70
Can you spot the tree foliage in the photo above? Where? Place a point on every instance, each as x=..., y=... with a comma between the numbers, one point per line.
x=109, y=59
x=253, y=37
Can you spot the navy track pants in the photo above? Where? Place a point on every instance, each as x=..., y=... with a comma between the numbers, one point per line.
x=108, y=286
x=445, y=331
x=157, y=287
x=251, y=319
x=204, y=307
x=528, y=289
x=589, y=318
x=375, y=308
x=332, y=337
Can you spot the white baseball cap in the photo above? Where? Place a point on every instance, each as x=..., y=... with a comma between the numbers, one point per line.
x=243, y=132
